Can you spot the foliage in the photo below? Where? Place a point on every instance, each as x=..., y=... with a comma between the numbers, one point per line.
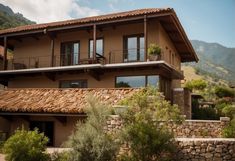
x=144, y=130
x=154, y=49
x=10, y=19
x=221, y=92
x=229, y=110
x=198, y=84
x=229, y=131
x=60, y=156
x=122, y=84
x=90, y=142
x=26, y=146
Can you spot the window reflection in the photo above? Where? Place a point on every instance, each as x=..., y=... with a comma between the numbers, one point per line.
x=137, y=81
x=99, y=47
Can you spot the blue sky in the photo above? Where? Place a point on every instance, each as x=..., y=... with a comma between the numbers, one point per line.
x=206, y=20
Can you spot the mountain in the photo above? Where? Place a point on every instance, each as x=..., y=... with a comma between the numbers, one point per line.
x=215, y=60
x=10, y=19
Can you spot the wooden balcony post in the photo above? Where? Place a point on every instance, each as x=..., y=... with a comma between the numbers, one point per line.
x=52, y=50
x=145, y=38
x=94, y=42
x=5, y=54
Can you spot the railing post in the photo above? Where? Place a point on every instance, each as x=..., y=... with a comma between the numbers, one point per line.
x=94, y=42
x=52, y=49
x=145, y=37
x=5, y=54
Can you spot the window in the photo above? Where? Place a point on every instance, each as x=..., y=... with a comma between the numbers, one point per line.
x=69, y=53
x=47, y=127
x=137, y=81
x=99, y=47
x=134, y=48
x=73, y=84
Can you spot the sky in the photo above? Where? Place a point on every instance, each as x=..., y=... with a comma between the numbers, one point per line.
x=206, y=20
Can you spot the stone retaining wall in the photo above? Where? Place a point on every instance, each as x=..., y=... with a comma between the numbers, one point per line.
x=199, y=128
x=189, y=128
x=213, y=149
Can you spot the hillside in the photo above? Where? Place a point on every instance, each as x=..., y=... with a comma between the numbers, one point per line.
x=215, y=61
x=10, y=19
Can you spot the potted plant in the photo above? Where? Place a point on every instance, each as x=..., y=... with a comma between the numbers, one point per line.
x=154, y=52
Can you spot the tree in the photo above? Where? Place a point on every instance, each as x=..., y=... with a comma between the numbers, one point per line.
x=26, y=146
x=221, y=92
x=198, y=84
x=90, y=141
x=144, y=129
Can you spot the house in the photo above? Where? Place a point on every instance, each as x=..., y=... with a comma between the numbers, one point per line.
x=101, y=55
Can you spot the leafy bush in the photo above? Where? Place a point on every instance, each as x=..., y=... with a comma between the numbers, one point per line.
x=229, y=131
x=198, y=84
x=26, y=146
x=221, y=92
x=144, y=130
x=154, y=49
x=60, y=156
x=90, y=142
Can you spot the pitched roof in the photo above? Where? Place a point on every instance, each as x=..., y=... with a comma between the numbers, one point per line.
x=66, y=101
x=93, y=19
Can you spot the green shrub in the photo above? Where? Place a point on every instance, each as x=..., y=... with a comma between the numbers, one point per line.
x=154, y=49
x=90, y=142
x=26, y=146
x=60, y=156
x=229, y=111
x=198, y=84
x=144, y=130
x=229, y=131
x=221, y=92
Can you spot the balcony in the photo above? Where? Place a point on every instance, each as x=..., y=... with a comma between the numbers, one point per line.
x=58, y=60
x=113, y=57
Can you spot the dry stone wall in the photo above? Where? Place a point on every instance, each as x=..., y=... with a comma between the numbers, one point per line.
x=188, y=129
x=197, y=140
x=206, y=149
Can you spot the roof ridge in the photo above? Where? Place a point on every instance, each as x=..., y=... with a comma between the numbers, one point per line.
x=103, y=17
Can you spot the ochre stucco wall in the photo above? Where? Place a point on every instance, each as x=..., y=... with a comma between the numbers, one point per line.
x=61, y=130
x=107, y=79
x=113, y=41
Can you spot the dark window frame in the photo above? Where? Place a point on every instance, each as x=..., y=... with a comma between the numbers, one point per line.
x=145, y=77
x=69, y=81
x=68, y=42
x=99, y=38
x=125, y=45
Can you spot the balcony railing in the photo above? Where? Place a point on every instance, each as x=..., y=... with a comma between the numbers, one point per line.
x=58, y=60
x=114, y=56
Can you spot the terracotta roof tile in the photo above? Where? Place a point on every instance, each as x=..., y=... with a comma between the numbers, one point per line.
x=58, y=100
x=107, y=17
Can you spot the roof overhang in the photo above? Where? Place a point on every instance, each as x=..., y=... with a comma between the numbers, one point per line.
x=158, y=65
x=167, y=18
x=41, y=114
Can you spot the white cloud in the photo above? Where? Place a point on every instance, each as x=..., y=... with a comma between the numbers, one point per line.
x=43, y=11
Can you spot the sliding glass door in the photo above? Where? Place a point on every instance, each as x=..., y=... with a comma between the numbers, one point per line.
x=69, y=53
x=134, y=48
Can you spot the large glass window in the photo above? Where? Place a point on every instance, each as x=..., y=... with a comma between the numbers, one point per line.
x=99, y=47
x=69, y=53
x=137, y=81
x=73, y=84
x=134, y=48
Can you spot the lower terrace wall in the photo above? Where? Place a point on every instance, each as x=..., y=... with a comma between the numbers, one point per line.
x=197, y=140
x=188, y=129
x=206, y=149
